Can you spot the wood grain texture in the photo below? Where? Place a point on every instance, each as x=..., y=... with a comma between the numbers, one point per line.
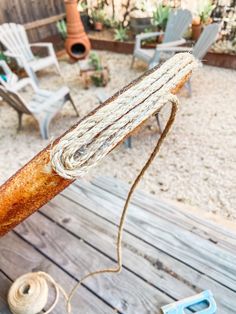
x=32, y=13
x=17, y=258
x=5, y=284
x=173, y=213
x=126, y=292
x=75, y=233
x=170, y=275
x=45, y=21
x=213, y=261
x=36, y=183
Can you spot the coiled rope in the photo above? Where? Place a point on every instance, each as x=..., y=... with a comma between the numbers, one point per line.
x=83, y=147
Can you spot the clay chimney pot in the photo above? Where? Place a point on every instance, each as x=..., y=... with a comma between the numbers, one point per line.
x=77, y=42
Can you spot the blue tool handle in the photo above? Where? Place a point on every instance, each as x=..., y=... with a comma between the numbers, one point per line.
x=204, y=301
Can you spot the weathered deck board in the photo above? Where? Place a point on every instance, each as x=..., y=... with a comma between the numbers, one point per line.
x=167, y=253
x=210, y=259
x=5, y=284
x=18, y=257
x=165, y=273
x=170, y=212
x=78, y=258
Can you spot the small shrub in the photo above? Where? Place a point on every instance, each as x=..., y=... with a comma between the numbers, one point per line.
x=121, y=34
x=62, y=28
x=95, y=61
x=160, y=16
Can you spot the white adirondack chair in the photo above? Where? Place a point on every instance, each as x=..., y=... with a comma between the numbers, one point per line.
x=43, y=106
x=15, y=40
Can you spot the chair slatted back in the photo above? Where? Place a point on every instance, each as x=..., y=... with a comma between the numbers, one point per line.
x=14, y=38
x=178, y=22
x=14, y=100
x=207, y=38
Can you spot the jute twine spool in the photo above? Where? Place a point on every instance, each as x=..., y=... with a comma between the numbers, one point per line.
x=29, y=294
x=83, y=147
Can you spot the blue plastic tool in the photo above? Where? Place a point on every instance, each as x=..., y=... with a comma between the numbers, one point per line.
x=202, y=303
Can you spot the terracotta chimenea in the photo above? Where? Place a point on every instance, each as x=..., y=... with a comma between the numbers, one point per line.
x=77, y=43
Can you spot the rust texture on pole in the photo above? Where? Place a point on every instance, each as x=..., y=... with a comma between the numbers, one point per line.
x=37, y=183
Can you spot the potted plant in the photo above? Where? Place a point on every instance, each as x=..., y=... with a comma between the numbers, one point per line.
x=202, y=18
x=98, y=16
x=140, y=17
x=121, y=34
x=196, y=28
x=83, y=10
x=160, y=17
x=93, y=71
x=62, y=28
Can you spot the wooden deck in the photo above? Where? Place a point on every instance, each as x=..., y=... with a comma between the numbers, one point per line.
x=168, y=254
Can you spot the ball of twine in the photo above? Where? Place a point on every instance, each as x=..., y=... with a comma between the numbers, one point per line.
x=29, y=293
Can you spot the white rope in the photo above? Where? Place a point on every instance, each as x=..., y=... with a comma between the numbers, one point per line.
x=98, y=134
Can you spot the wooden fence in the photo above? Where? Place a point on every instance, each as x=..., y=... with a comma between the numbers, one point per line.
x=38, y=16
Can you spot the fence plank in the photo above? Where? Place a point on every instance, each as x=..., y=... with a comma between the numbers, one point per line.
x=38, y=16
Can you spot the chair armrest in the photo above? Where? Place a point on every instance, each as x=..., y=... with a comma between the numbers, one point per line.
x=172, y=43
x=25, y=82
x=41, y=45
x=143, y=36
x=174, y=49
x=148, y=35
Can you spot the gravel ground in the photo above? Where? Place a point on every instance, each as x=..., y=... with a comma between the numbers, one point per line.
x=197, y=164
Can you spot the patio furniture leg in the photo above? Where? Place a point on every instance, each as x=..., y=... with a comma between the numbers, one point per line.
x=132, y=62
x=32, y=75
x=189, y=87
x=128, y=142
x=58, y=68
x=43, y=126
x=19, y=121
x=158, y=122
x=73, y=104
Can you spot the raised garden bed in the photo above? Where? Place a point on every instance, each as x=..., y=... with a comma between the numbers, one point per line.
x=216, y=59
x=100, y=42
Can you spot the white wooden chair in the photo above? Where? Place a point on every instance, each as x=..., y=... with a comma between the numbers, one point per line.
x=43, y=106
x=15, y=40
